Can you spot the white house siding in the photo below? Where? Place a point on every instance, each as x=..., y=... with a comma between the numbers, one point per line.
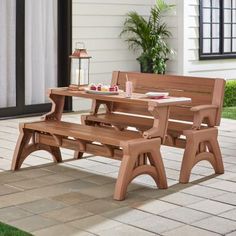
x=98, y=24
x=224, y=68
x=175, y=22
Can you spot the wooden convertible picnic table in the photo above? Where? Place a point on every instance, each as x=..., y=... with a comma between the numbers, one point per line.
x=159, y=108
x=139, y=151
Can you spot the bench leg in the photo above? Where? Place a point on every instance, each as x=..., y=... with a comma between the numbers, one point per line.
x=78, y=155
x=22, y=142
x=155, y=159
x=124, y=177
x=25, y=146
x=188, y=159
x=54, y=151
x=83, y=119
x=215, y=149
x=129, y=168
x=193, y=154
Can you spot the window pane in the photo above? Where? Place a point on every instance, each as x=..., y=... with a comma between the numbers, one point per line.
x=215, y=45
x=215, y=30
x=227, y=3
x=234, y=16
x=227, y=45
x=215, y=3
x=206, y=31
x=215, y=15
x=234, y=4
x=234, y=30
x=206, y=3
x=234, y=45
x=207, y=15
x=206, y=45
x=227, y=30
x=227, y=16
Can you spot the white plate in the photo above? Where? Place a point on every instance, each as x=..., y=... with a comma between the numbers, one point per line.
x=102, y=92
x=157, y=94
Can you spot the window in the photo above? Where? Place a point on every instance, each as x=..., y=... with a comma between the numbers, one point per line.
x=217, y=29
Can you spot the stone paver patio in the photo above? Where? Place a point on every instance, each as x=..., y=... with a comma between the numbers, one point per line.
x=75, y=198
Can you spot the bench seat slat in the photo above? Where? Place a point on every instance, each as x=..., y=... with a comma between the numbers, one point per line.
x=182, y=113
x=135, y=121
x=88, y=133
x=120, y=119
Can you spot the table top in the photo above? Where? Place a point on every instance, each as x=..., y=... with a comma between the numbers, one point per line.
x=137, y=98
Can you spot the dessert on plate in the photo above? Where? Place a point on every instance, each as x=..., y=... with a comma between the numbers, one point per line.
x=103, y=88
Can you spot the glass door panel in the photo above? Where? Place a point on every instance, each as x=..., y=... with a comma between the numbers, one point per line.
x=35, y=42
x=40, y=49
x=7, y=53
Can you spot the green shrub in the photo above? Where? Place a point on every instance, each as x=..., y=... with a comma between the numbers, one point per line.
x=230, y=94
x=7, y=230
x=228, y=112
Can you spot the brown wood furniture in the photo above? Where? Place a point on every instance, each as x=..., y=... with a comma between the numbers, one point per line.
x=132, y=147
x=191, y=126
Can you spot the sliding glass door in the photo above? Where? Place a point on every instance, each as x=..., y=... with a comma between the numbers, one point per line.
x=34, y=47
x=40, y=49
x=7, y=53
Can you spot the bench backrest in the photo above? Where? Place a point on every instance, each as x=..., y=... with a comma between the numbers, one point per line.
x=202, y=91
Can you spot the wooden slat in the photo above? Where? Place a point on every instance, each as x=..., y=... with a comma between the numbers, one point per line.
x=137, y=98
x=88, y=133
x=218, y=98
x=198, y=98
x=124, y=120
x=180, y=143
x=140, y=110
x=98, y=150
x=192, y=84
x=202, y=91
x=182, y=113
x=136, y=121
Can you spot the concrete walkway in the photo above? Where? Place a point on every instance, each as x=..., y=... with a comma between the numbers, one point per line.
x=75, y=198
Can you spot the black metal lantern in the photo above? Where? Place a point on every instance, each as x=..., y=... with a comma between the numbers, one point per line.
x=79, y=67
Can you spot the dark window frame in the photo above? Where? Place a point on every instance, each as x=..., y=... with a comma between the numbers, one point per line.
x=221, y=54
x=64, y=50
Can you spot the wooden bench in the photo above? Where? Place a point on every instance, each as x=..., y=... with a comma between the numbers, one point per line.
x=192, y=127
x=139, y=152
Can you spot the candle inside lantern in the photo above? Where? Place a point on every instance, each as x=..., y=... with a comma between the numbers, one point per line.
x=79, y=74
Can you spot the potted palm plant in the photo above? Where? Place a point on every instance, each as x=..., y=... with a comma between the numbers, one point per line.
x=149, y=36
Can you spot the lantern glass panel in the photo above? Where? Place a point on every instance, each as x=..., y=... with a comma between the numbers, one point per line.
x=84, y=71
x=74, y=78
x=79, y=71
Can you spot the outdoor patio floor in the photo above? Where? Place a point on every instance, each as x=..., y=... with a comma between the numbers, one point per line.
x=75, y=198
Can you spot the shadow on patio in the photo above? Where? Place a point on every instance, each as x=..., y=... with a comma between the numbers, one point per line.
x=75, y=198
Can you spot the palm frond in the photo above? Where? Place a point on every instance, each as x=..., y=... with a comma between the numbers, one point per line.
x=149, y=35
x=134, y=43
x=163, y=31
x=157, y=13
x=136, y=26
